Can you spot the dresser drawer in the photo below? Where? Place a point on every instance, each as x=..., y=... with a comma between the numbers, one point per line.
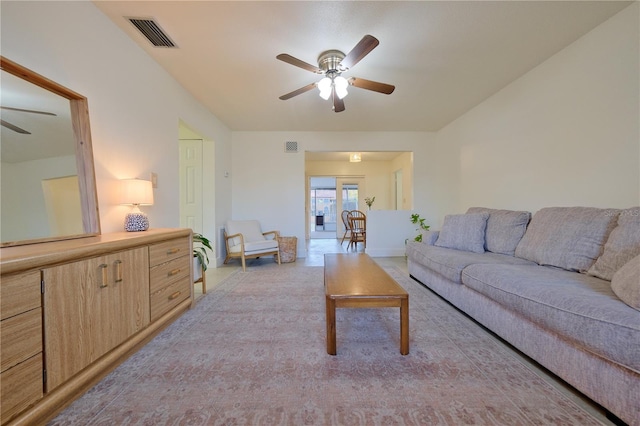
x=169, y=250
x=21, y=338
x=20, y=387
x=162, y=275
x=19, y=293
x=166, y=298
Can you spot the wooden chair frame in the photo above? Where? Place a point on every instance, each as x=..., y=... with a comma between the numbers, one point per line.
x=358, y=228
x=244, y=256
x=345, y=221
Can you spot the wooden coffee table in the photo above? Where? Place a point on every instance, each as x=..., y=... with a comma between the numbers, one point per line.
x=356, y=281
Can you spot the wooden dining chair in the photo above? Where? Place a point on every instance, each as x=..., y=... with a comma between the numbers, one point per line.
x=358, y=228
x=347, y=226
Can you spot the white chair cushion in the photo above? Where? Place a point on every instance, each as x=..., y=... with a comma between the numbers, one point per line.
x=256, y=247
x=250, y=230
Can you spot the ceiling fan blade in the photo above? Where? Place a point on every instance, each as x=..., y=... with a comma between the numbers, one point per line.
x=14, y=128
x=298, y=92
x=338, y=104
x=362, y=83
x=362, y=49
x=298, y=63
x=28, y=110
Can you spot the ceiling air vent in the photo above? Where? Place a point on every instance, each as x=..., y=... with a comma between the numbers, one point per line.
x=291, y=146
x=152, y=31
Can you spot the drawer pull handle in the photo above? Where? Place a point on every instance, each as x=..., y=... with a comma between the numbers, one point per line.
x=173, y=251
x=118, y=264
x=175, y=295
x=174, y=272
x=103, y=268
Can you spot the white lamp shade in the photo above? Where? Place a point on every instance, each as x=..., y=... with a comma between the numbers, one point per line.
x=324, y=86
x=341, y=85
x=136, y=192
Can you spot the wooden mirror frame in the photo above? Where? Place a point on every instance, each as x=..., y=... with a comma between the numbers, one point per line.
x=84, y=151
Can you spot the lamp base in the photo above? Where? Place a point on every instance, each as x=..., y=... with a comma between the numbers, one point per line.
x=134, y=222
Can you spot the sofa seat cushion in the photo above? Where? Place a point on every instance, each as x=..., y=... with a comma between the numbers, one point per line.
x=570, y=238
x=581, y=308
x=449, y=262
x=256, y=247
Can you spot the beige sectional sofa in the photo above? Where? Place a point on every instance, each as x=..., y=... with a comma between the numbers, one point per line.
x=562, y=286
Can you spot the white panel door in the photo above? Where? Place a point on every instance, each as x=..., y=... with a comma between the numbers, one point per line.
x=62, y=200
x=191, y=212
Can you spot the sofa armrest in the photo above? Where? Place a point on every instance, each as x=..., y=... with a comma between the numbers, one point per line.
x=430, y=237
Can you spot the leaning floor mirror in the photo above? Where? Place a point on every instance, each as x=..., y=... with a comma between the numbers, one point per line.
x=47, y=177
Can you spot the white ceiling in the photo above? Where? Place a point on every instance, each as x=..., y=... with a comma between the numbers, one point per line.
x=443, y=57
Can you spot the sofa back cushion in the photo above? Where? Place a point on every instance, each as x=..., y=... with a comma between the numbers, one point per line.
x=626, y=283
x=622, y=246
x=505, y=229
x=463, y=232
x=570, y=238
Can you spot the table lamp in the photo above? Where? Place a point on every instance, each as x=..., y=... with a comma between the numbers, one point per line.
x=136, y=192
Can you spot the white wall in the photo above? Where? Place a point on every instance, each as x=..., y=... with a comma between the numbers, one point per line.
x=388, y=231
x=269, y=184
x=564, y=134
x=135, y=106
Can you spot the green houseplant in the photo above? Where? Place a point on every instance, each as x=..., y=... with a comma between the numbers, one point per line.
x=419, y=221
x=200, y=246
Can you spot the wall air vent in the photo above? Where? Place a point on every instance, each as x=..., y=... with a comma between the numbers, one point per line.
x=291, y=146
x=152, y=31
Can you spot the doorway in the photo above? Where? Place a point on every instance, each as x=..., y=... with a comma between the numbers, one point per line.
x=351, y=190
x=327, y=197
x=322, y=207
x=399, y=194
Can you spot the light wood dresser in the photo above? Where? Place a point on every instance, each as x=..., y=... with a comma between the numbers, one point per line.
x=71, y=311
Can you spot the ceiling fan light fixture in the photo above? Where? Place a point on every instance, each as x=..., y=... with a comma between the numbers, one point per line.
x=324, y=86
x=341, y=85
x=332, y=63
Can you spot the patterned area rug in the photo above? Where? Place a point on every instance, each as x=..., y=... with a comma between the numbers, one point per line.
x=253, y=352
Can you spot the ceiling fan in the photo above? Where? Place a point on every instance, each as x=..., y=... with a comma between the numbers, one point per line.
x=331, y=64
x=16, y=128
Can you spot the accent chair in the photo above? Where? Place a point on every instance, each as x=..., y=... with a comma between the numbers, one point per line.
x=244, y=239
